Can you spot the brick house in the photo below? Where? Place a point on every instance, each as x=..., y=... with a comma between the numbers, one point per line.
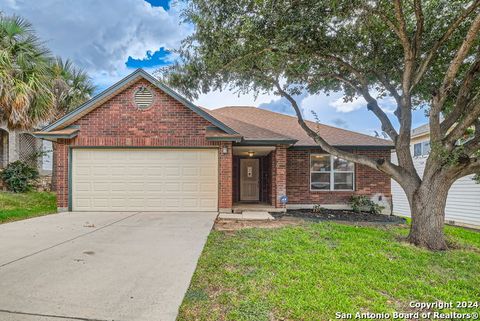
x=140, y=146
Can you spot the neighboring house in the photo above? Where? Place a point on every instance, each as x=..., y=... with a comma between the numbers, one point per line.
x=22, y=145
x=139, y=146
x=463, y=202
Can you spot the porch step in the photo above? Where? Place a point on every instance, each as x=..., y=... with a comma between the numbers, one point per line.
x=250, y=208
x=247, y=216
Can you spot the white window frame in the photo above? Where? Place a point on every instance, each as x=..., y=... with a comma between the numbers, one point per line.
x=332, y=174
x=422, y=149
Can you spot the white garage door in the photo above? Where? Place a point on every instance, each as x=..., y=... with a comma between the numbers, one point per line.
x=144, y=179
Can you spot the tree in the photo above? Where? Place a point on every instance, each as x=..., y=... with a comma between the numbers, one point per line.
x=25, y=95
x=71, y=86
x=424, y=54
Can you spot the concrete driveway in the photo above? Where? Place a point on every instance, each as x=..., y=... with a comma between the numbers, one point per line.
x=99, y=266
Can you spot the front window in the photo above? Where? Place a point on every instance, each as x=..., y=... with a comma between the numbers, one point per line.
x=331, y=173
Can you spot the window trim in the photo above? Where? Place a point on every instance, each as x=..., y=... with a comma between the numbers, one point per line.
x=422, y=149
x=332, y=175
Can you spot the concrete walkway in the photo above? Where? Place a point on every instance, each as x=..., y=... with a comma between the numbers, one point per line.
x=99, y=266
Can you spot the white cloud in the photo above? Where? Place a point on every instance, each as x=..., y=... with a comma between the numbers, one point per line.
x=217, y=99
x=99, y=36
x=346, y=107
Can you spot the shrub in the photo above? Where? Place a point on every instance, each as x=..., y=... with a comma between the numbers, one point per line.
x=19, y=176
x=359, y=202
x=317, y=208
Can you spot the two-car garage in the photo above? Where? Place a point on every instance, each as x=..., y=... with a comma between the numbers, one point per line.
x=144, y=179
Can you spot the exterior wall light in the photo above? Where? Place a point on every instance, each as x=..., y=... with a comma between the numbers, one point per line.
x=224, y=149
x=251, y=154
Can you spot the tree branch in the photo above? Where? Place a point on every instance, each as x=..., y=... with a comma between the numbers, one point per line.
x=472, y=115
x=432, y=53
x=472, y=166
x=382, y=165
x=409, y=57
x=457, y=61
x=361, y=78
x=388, y=85
x=473, y=145
x=462, y=97
x=419, y=28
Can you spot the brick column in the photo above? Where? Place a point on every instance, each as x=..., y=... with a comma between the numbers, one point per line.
x=61, y=175
x=279, y=174
x=225, y=178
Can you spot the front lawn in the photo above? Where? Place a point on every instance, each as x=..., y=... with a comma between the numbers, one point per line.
x=312, y=271
x=20, y=206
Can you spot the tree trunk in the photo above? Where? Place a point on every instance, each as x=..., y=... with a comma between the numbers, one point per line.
x=427, y=207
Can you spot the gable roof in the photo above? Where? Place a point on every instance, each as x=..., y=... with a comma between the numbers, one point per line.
x=255, y=123
x=97, y=100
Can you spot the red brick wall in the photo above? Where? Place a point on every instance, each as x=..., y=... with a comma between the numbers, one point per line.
x=367, y=181
x=167, y=123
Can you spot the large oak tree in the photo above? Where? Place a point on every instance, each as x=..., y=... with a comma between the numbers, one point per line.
x=424, y=54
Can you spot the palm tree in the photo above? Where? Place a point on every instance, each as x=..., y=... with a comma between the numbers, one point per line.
x=70, y=86
x=25, y=95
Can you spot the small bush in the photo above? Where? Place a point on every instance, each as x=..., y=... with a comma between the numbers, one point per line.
x=363, y=202
x=19, y=176
x=317, y=208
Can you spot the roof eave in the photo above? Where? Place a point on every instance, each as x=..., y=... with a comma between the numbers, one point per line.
x=265, y=142
x=225, y=139
x=54, y=137
x=346, y=146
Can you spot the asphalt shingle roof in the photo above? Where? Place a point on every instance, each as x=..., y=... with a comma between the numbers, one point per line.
x=256, y=123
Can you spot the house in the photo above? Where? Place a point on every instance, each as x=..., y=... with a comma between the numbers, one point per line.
x=22, y=145
x=463, y=202
x=140, y=146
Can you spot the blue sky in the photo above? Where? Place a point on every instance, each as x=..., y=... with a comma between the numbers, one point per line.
x=110, y=41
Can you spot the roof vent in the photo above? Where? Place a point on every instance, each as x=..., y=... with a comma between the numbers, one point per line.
x=143, y=98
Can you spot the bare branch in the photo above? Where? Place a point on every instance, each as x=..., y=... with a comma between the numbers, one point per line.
x=432, y=53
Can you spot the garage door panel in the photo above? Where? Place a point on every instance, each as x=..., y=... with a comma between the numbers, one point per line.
x=145, y=179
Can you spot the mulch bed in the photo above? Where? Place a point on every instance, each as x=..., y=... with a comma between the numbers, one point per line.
x=341, y=215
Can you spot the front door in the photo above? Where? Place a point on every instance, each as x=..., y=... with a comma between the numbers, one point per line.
x=249, y=179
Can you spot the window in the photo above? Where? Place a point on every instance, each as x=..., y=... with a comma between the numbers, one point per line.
x=426, y=148
x=417, y=150
x=330, y=173
x=421, y=149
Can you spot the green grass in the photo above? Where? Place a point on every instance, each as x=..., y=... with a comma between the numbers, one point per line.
x=312, y=271
x=20, y=206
